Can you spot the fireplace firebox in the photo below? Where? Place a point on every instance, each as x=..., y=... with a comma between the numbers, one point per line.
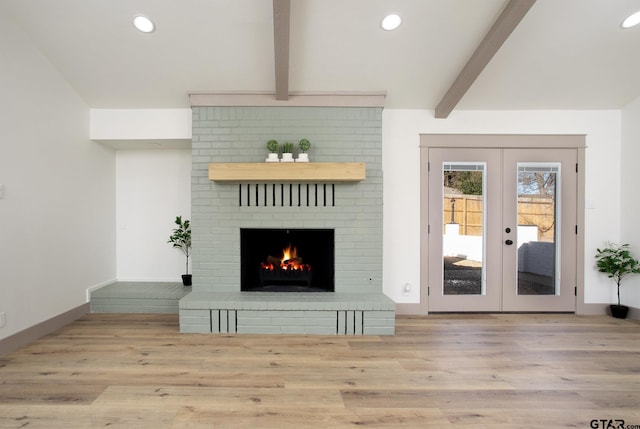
x=287, y=260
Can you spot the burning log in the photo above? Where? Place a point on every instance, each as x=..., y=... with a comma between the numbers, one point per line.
x=273, y=261
x=290, y=261
x=277, y=262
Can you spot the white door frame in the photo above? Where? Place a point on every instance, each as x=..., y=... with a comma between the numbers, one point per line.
x=500, y=141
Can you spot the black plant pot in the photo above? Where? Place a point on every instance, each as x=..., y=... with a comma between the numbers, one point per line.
x=186, y=279
x=619, y=311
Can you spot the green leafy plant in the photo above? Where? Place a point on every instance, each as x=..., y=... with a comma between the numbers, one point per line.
x=616, y=262
x=287, y=147
x=304, y=145
x=272, y=145
x=181, y=238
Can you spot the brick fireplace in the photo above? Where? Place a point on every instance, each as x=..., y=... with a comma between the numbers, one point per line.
x=348, y=300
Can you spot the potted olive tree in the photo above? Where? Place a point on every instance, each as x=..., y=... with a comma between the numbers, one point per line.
x=272, y=145
x=181, y=239
x=304, y=145
x=616, y=262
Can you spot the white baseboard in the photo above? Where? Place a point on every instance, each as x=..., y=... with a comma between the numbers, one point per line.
x=634, y=313
x=96, y=287
x=29, y=335
x=583, y=309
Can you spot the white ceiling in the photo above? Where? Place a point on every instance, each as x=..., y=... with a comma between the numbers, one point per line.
x=565, y=54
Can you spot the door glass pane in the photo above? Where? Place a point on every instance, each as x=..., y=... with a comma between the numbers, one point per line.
x=463, y=230
x=537, y=228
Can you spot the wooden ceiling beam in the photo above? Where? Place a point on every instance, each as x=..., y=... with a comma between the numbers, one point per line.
x=281, y=29
x=508, y=20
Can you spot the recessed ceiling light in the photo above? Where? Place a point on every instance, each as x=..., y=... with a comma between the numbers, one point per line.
x=631, y=20
x=391, y=22
x=144, y=24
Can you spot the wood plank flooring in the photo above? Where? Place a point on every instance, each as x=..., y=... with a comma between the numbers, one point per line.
x=439, y=371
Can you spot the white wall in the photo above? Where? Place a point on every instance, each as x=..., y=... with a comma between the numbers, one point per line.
x=140, y=124
x=630, y=207
x=153, y=187
x=57, y=217
x=401, y=165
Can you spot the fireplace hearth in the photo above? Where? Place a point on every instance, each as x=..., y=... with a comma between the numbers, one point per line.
x=287, y=260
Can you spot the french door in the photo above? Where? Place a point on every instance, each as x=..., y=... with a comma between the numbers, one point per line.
x=502, y=229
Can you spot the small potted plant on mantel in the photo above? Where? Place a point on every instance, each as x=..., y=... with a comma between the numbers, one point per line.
x=304, y=145
x=181, y=239
x=272, y=145
x=287, y=152
x=616, y=262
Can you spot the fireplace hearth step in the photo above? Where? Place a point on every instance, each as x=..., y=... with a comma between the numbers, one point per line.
x=283, y=287
x=291, y=313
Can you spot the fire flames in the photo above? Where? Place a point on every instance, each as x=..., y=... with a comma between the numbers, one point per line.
x=290, y=261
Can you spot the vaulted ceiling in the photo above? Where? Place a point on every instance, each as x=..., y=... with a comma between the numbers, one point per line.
x=564, y=54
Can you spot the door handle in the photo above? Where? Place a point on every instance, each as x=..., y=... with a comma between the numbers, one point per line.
x=508, y=242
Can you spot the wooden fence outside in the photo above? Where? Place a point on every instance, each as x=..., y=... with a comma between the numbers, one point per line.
x=539, y=211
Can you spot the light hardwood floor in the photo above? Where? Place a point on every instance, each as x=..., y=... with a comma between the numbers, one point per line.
x=439, y=371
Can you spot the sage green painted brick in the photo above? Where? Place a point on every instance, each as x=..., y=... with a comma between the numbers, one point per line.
x=194, y=329
x=195, y=321
x=239, y=134
x=138, y=297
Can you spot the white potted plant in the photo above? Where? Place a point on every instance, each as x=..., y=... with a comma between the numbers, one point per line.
x=287, y=152
x=616, y=262
x=181, y=239
x=272, y=145
x=304, y=145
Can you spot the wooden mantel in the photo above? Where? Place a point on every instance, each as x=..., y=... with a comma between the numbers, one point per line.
x=288, y=171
